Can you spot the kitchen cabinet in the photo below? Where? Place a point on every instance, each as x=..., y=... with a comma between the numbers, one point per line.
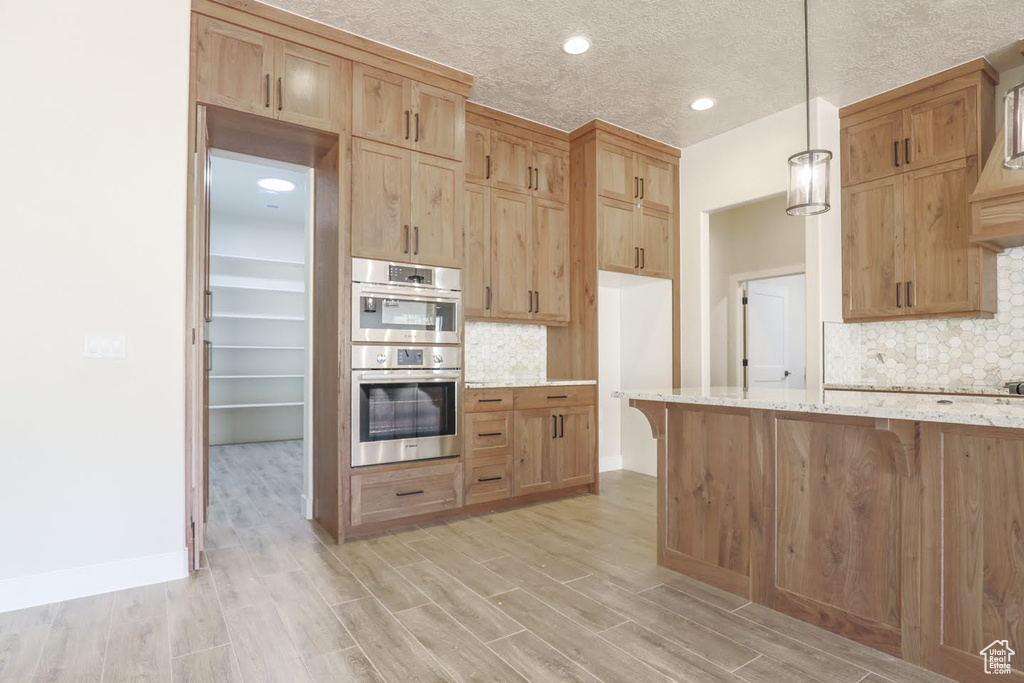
x=406, y=206
x=632, y=238
x=403, y=112
x=549, y=260
x=512, y=296
x=489, y=447
x=909, y=162
x=575, y=446
x=510, y=164
x=550, y=173
x=631, y=176
x=515, y=163
x=478, y=155
x=248, y=71
x=534, y=465
x=476, y=267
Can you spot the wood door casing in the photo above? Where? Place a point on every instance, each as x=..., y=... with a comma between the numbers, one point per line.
x=381, y=206
x=436, y=221
x=943, y=129
x=872, y=149
x=476, y=266
x=510, y=255
x=534, y=465
x=439, y=121
x=511, y=158
x=655, y=241
x=872, y=229
x=575, y=446
x=478, y=152
x=234, y=67
x=616, y=173
x=551, y=174
x=616, y=248
x=310, y=88
x=381, y=102
x=550, y=260
x=658, y=189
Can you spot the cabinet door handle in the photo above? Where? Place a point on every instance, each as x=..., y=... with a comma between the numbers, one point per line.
x=402, y=494
x=910, y=301
x=896, y=154
x=480, y=436
x=643, y=256
x=536, y=178
x=551, y=398
x=906, y=151
x=417, y=127
x=406, y=250
x=482, y=480
x=898, y=304
x=266, y=91
x=636, y=187
x=561, y=428
x=209, y=306
x=280, y=93
x=490, y=400
x=636, y=257
x=209, y=356
x=554, y=426
x=641, y=188
x=529, y=177
x=416, y=249
x=488, y=176
x=536, y=304
x=406, y=124
x=487, y=306
x=529, y=298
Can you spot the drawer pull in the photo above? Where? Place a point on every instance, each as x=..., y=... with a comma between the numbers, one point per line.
x=485, y=479
x=491, y=434
x=490, y=400
x=402, y=494
x=554, y=397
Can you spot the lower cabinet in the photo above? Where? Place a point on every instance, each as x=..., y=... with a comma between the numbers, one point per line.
x=534, y=467
x=391, y=494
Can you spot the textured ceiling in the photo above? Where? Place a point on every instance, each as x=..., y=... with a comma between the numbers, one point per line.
x=651, y=58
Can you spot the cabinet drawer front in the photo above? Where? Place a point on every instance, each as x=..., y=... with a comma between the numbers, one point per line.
x=555, y=397
x=378, y=497
x=486, y=400
x=489, y=478
x=488, y=433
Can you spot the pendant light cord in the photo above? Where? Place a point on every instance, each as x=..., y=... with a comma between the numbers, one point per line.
x=807, y=75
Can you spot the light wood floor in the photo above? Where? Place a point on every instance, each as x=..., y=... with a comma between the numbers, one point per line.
x=563, y=591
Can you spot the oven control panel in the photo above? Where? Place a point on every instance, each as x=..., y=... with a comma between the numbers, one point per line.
x=413, y=357
x=379, y=357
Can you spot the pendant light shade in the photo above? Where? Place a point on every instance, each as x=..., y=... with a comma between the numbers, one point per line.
x=810, y=170
x=1014, y=128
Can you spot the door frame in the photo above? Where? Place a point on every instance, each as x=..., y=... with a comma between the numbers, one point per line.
x=328, y=156
x=737, y=289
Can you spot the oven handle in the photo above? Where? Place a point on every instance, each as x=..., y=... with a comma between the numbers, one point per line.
x=408, y=293
x=399, y=376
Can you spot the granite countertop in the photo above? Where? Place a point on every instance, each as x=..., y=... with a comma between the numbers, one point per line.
x=976, y=389
x=503, y=384
x=983, y=411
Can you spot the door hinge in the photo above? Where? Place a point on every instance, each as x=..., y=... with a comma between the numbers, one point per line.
x=745, y=300
x=193, y=336
x=745, y=362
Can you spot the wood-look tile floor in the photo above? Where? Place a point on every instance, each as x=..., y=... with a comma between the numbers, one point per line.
x=562, y=591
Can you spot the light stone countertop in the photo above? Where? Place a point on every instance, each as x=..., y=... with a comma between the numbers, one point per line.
x=966, y=410
x=505, y=384
x=978, y=389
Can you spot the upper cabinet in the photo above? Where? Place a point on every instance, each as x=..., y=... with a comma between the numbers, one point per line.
x=910, y=160
x=244, y=70
x=404, y=112
x=631, y=176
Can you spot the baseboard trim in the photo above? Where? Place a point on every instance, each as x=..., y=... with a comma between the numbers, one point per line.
x=67, y=584
x=610, y=463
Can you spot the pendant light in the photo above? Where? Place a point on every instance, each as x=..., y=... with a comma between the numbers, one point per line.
x=1014, y=159
x=809, y=171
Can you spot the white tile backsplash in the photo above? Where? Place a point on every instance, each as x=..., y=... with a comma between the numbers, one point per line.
x=504, y=352
x=946, y=352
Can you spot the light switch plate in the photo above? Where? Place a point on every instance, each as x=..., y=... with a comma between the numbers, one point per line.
x=105, y=346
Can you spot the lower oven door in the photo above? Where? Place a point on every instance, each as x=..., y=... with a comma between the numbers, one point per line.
x=404, y=415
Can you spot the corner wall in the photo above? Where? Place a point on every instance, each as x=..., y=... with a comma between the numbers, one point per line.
x=92, y=241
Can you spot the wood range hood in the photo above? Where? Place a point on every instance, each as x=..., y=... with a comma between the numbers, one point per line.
x=997, y=204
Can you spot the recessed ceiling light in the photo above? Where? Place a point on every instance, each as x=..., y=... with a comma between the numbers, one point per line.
x=702, y=104
x=576, y=45
x=276, y=184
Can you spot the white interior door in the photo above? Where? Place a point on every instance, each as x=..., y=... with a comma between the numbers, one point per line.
x=767, y=362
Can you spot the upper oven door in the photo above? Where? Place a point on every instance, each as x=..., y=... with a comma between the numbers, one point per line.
x=389, y=313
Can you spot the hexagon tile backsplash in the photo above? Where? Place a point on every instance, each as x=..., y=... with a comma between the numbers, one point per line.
x=503, y=352
x=929, y=353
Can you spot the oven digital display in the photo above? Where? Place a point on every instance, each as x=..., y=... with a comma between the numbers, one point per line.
x=410, y=357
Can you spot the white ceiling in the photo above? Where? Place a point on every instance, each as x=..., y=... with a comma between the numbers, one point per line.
x=651, y=58
x=234, y=192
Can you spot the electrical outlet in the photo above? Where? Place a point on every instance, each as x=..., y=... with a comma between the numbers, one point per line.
x=923, y=352
x=106, y=347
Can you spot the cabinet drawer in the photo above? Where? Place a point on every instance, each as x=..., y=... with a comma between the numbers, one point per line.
x=555, y=397
x=403, y=493
x=486, y=400
x=490, y=478
x=488, y=433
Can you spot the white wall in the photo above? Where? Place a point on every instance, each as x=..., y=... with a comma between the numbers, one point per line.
x=92, y=452
x=609, y=372
x=743, y=165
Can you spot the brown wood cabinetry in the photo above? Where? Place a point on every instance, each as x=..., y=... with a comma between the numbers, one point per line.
x=909, y=162
x=534, y=467
x=407, y=113
x=406, y=206
x=396, y=493
x=515, y=163
x=248, y=71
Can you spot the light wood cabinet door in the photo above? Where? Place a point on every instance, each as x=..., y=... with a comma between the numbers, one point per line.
x=550, y=260
x=615, y=244
x=551, y=173
x=511, y=285
x=381, y=106
x=476, y=267
x=575, y=446
x=942, y=129
x=381, y=207
x=942, y=266
x=439, y=121
x=616, y=173
x=478, y=155
x=657, y=186
x=436, y=211
x=309, y=89
x=655, y=242
x=533, y=464
x=511, y=160
x=234, y=67
x=872, y=229
x=872, y=149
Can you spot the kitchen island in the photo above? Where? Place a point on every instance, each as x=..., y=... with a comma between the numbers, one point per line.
x=894, y=520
